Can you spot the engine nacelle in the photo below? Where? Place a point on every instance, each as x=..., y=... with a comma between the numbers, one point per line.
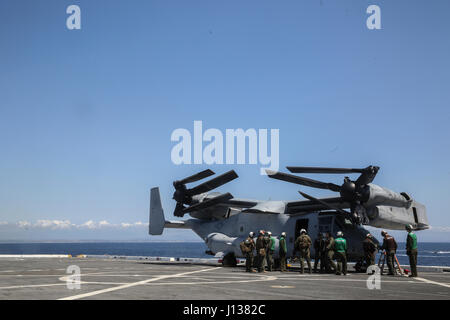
x=391, y=210
x=379, y=196
x=389, y=217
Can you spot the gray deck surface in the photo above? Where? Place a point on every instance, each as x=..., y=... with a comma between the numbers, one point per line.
x=43, y=278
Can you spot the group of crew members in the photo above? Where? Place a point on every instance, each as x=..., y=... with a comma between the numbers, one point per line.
x=326, y=249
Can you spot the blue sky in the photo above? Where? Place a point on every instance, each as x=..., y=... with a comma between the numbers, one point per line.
x=87, y=115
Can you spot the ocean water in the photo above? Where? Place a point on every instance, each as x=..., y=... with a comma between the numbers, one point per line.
x=152, y=249
x=430, y=254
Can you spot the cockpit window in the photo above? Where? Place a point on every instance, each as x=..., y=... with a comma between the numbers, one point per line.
x=343, y=223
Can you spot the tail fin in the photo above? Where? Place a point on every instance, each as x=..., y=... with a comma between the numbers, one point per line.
x=157, y=221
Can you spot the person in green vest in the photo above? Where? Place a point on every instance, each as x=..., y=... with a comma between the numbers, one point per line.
x=270, y=250
x=411, y=250
x=340, y=248
x=283, y=252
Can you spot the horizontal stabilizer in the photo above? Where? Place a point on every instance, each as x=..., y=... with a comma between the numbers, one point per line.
x=176, y=225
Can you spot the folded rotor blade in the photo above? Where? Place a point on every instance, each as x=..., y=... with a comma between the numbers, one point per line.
x=367, y=175
x=178, y=212
x=209, y=202
x=198, y=176
x=213, y=183
x=303, y=181
x=323, y=170
x=329, y=206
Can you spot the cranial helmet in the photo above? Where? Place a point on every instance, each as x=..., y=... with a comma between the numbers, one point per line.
x=269, y=233
x=283, y=234
x=302, y=231
x=340, y=234
x=383, y=233
x=408, y=227
x=251, y=234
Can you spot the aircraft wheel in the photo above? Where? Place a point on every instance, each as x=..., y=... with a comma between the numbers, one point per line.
x=229, y=260
x=360, y=266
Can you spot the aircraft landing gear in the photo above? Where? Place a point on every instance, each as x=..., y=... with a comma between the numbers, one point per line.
x=360, y=266
x=276, y=264
x=229, y=260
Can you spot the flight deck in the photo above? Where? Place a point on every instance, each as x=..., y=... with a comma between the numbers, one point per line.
x=45, y=278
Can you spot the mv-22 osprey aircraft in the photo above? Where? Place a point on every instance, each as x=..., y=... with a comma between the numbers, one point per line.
x=223, y=221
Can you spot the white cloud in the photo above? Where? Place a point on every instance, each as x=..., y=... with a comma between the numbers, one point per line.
x=54, y=224
x=23, y=224
x=89, y=224
x=104, y=223
x=136, y=224
x=141, y=224
x=66, y=225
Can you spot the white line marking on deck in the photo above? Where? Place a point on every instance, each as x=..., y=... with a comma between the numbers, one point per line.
x=433, y=282
x=268, y=278
x=33, y=286
x=129, y=285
